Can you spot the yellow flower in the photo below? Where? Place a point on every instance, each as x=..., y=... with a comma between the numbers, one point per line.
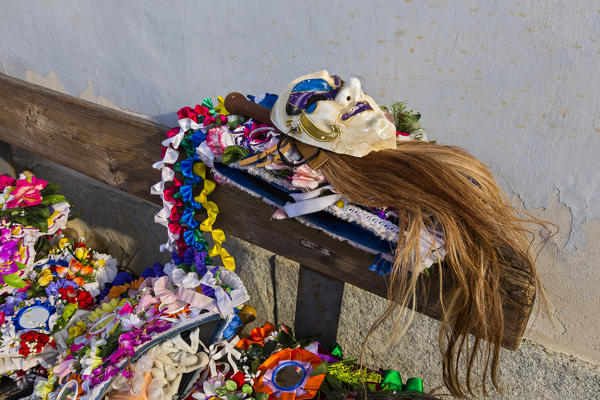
x=77, y=330
x=62, y=243
x=45, y=277
x=99, y=263
x=81, y=253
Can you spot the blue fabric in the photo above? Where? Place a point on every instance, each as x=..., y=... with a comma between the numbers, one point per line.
x=268, y=100
x=323, y=220
x=232, y=327
x=381, y=266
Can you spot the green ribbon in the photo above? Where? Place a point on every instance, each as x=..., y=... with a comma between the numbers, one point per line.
x=414, y=385
x=392, y=380
x=188, y=146
x=208, y=103
x=336, y=350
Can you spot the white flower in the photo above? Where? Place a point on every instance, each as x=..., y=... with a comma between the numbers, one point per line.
x=130, y=321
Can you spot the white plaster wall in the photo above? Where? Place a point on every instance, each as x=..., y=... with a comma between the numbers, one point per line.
x=514, y=82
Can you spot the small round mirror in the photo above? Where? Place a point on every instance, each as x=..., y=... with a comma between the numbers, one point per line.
x=288, y=376
x=69, y=391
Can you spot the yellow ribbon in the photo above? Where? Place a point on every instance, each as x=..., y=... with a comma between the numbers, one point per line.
x=212, y=211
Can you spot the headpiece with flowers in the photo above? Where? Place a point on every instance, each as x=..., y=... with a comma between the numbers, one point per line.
x=239, y=150
x=31, y=211
x=58, y=291
x=138, y=314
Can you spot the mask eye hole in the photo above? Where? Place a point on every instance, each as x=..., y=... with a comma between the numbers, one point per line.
x=348, y=98
x=311, y=103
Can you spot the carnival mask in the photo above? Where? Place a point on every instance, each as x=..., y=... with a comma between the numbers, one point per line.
x=324, y=111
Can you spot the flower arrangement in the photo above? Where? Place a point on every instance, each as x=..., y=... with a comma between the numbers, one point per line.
x=138, y=313
x=30, y=213
x=34, y=318
x=273, y=364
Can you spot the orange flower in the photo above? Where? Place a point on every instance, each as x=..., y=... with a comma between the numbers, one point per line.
x=79, y=280
x=303, y=361
x=60, y=269
x=75, y=265
x=257, y=335
x=87, y=270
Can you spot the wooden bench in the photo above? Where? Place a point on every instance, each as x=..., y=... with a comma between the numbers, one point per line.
x=118, y=149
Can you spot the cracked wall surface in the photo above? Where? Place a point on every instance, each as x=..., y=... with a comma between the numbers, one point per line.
x=513, y=82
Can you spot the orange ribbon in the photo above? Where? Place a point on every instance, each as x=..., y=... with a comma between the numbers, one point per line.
x=257, y=335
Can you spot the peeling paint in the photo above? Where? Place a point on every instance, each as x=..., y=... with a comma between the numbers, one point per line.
x=51, y=81
x=570, y=279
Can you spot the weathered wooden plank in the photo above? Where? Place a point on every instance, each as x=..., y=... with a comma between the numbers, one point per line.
x=118, y=149
x=318, y=306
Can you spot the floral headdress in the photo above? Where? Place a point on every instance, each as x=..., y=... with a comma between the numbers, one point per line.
x=31, y=212
x=137, y=315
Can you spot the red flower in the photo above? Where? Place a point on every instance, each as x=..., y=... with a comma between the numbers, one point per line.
x=24, y=350
x=29, y=336
x=175, y=216
x=85, y=300
x=69, y=294
x=238, y=378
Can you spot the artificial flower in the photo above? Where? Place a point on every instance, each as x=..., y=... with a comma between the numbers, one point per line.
x=8, y=250
x=307, y=178
x=45, y=277
x=219, y=138
x=77, y=329
x=6, y=180
x=257, y=335
x=27, y=192
x=298, y=358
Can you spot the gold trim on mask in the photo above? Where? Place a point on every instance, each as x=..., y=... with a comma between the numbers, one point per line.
x=307, y=127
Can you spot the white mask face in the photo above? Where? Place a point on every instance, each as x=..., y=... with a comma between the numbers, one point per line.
x=324, y=111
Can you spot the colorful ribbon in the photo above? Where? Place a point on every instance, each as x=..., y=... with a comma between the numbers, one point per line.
x=212, y=211
x=392, y=380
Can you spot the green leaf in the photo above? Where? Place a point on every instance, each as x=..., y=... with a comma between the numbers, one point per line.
x=349, y=360
x=21, y=265
x=14, y=280
x=230, y=385
x=269, y=348
x=247, y=389
x=335, y=383
x=321, y=369
x=286, y=340
x=262, y=396
x=254, y=351
x=53, y=199
x=45, y=212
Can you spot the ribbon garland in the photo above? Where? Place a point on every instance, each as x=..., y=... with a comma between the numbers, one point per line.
x=190, y=134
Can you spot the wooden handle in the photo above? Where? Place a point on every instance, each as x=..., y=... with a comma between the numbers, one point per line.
x=237, y=103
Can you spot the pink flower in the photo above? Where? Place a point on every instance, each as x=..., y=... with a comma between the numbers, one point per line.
x=218, y=139
x=306, y=177
x=27, y=192
x=5, y=181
